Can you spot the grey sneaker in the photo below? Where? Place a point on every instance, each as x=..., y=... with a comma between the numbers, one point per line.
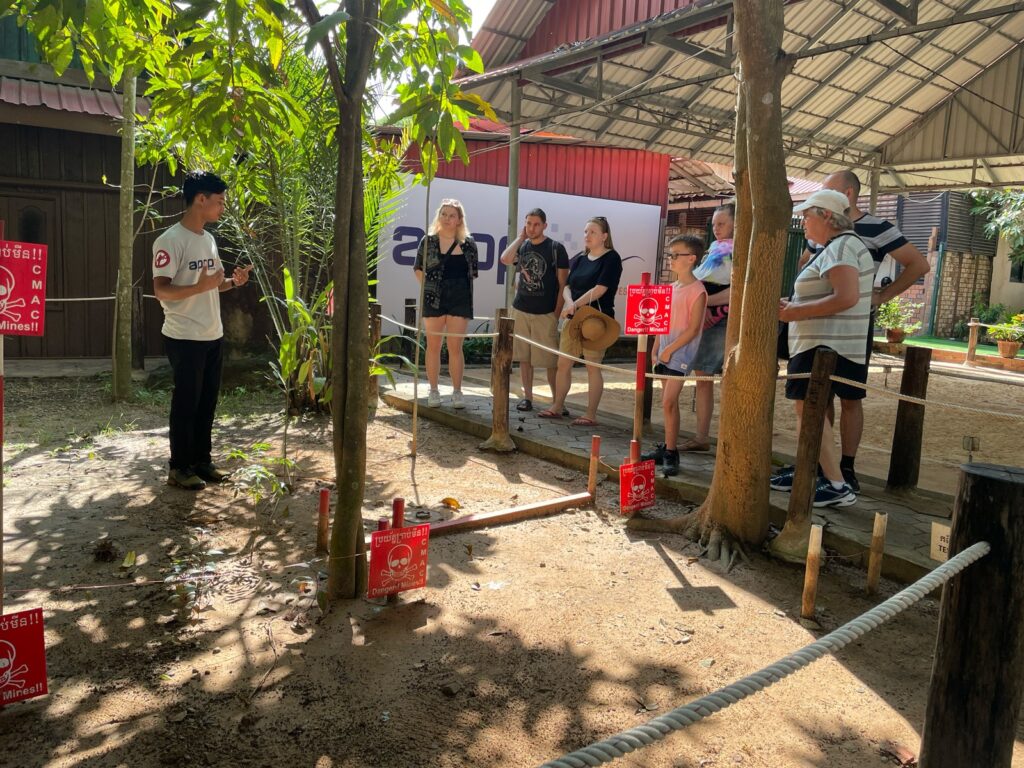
x=458, y=401
x=434, y=399
x=670, y=464
x=185, y=478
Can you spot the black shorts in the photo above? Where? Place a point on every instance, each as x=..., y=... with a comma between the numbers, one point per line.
x=456, y=300
x=663, y=370
x=796, y=389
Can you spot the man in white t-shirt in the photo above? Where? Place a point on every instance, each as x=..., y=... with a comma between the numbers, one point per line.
x=188, y=278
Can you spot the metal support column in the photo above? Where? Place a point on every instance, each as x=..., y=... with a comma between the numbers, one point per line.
x=513, y=190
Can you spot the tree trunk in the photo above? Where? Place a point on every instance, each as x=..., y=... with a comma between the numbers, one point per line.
x=350, y=342
x=122, y=357
x=738, y=498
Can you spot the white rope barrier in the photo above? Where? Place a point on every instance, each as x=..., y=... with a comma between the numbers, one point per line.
x=923, y=401
x=441, y=333
x=81, y=298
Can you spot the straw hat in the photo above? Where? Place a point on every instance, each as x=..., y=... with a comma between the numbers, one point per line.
x=592, y=330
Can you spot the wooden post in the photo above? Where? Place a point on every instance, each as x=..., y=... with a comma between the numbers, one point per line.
x=410, y=320
x=595, y=458
x=649, y=383
x=634, y=451
x=501, y=371
x=811, y=573
x=374, y=385
x=397, y=523
x=641, y=378
x=978, y=676
x=138, y=330
x=905, y=457
x=322, y=529
x=877, y=552
x=972, y=341
x=805, y=478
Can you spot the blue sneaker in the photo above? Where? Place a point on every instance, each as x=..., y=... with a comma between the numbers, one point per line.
x=783, y=480
x=825, y=495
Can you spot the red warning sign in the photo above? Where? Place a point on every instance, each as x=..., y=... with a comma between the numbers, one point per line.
x=636, y=486
x=648, y=309
x=398, y=560
x=22, y=288
x=22, y=656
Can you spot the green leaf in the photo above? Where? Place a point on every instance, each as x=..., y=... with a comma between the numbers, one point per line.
x=322, y=28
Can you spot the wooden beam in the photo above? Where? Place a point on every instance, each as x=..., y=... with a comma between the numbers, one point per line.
x=512, y=515
x=907, y=13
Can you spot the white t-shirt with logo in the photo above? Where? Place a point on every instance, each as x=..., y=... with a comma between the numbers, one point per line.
x=182, y=255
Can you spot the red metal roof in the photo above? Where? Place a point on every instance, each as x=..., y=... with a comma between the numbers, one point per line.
x=611, y=173
x=64, y=98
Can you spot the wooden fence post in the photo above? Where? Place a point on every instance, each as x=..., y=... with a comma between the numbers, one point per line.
x=877, y=552
x=978, y=676
x=501, y=370
x=410, y=320
x=905, y=457
x=811, y=570
x=374, y=384
x=138, y=341
x=791, y=543
x=972, y=341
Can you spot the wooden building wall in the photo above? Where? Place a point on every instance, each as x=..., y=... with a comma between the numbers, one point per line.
x=52, y=190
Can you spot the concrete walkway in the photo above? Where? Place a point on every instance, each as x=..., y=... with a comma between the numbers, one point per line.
x=847, y=531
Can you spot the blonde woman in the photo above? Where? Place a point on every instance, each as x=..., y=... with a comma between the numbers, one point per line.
x=446, y=265
x=593, y=281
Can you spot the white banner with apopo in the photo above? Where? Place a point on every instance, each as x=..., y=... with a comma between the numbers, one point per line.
x=634, y=228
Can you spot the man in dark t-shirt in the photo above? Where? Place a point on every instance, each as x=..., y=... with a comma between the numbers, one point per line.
x=542, y=267
x=883, y=239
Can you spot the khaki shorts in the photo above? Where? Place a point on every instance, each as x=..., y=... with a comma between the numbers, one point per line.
x=542, y=329
x=566, y=345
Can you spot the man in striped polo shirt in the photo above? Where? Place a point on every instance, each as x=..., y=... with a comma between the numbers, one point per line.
x=882, y=238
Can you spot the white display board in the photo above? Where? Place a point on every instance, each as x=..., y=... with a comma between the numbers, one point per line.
x=634, y=228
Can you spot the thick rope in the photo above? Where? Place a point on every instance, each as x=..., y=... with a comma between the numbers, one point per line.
x=654, y=730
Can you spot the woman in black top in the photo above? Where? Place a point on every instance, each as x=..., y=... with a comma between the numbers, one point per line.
x=593, y=280
x=447, y=276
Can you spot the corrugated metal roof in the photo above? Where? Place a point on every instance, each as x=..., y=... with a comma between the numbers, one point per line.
x=64, y=98
x=863, y=83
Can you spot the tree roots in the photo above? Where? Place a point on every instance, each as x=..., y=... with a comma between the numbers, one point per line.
x=716, y=545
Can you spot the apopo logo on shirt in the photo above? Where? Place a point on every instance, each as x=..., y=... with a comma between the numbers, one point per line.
x=202, y=263
x=163, y=258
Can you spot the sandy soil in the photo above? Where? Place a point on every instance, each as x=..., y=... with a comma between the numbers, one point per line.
x=529, y=640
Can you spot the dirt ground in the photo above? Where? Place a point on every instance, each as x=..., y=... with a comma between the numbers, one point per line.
x=529, y=641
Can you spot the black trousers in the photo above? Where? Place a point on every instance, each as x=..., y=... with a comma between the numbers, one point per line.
x=196, y=366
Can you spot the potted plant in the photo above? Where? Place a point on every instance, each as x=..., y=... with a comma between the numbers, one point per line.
x=897, y=317
x=1009, y=335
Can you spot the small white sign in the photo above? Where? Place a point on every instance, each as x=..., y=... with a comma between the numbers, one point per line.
x=940, y=542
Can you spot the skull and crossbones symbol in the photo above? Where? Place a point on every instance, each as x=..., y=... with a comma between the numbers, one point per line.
x=10, y=675
x=638, y=489
x=648, y=313
x=6, y=290
x=399, y=567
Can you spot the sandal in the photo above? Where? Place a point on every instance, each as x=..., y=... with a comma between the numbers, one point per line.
x=583, y=421
x=549, y=414
x=524, y=405
x=691, y=444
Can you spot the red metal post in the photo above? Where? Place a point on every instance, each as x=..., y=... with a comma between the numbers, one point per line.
x=641, y=374
x=322, y=545
x=397, y=521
